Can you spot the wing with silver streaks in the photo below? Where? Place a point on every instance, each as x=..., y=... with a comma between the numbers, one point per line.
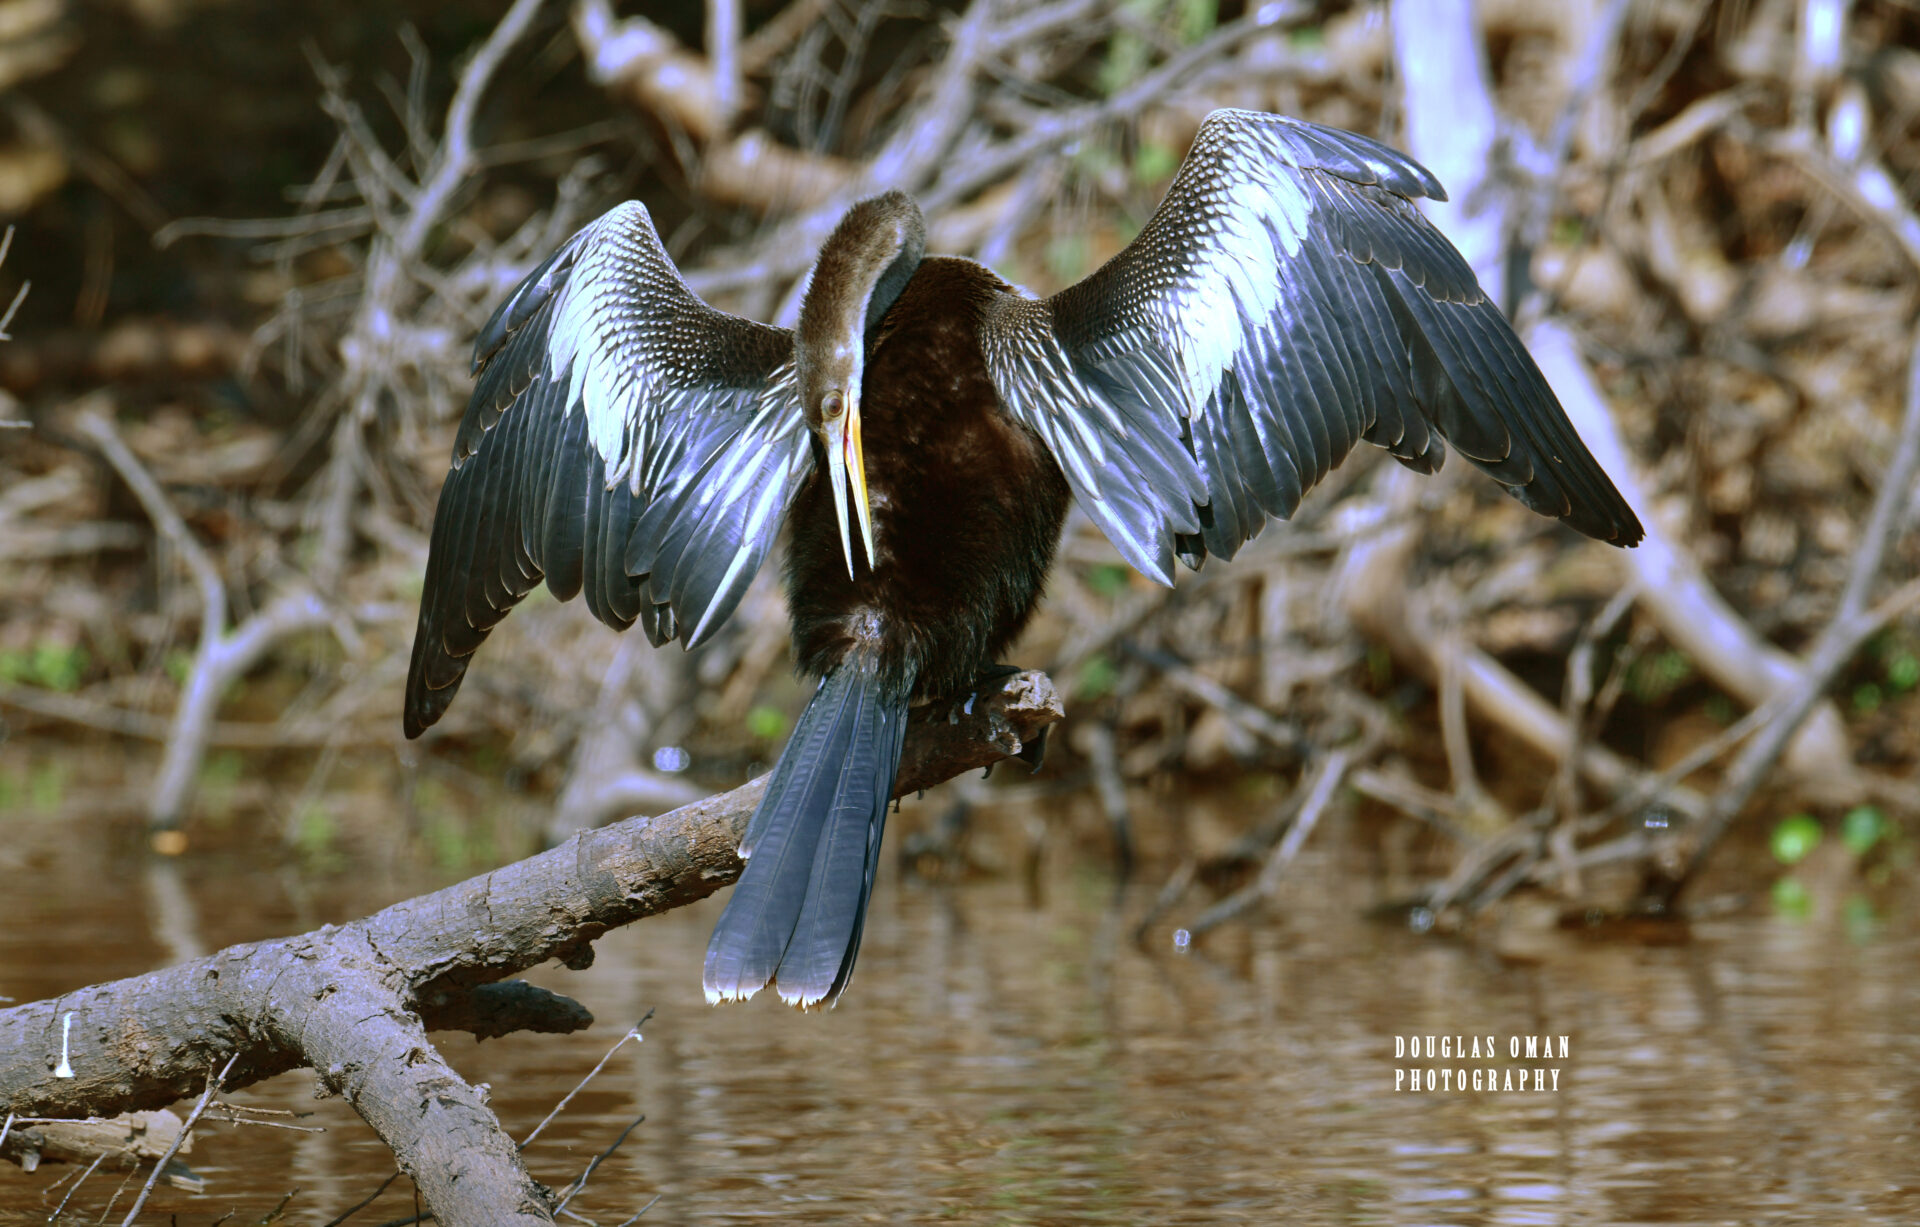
x=624, y=440
x=1286, y=301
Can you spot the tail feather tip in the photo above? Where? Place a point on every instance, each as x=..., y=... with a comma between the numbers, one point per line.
x=720, y=996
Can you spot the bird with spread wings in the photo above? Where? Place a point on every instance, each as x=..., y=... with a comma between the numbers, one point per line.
x=1286, y=302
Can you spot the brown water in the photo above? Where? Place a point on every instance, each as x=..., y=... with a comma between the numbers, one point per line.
x=1001, y=1061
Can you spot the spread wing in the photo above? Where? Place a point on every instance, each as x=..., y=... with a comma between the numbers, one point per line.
x=624, y=439
x=1286, y=301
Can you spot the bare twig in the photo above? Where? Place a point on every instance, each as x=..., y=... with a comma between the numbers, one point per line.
x=642, y=1210
x=1851, y=626
x=62, y=1207
x=919, y=146
x=723, y=52
x=179, y=1139
x=1057, y=128
x=1450, y=649
x=339, y=223
x=1587, y=77
x=20, y=295
x=1170, y=894
x=362, y=1204
x=1524, y=838
x=220, y=657
x=1583, y=716
x=1437, y=809
x=1280, y=734
x=633, y=1033
x=580, y=1184
x=243, y=1114
x=455, y=158
x=1097, y=739
x=125, y=1180
x=1327, y=778
x=1671, y=586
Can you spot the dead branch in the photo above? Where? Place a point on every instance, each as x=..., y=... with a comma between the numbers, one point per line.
x=1373, y=591
x=354, y=1002
x=1853, y=623
x=379, y=346
x=633, y=1033
x=179, y=1139
x=223, y=655
x=1319, y=793
x=1096, y=741
x=1676, y=594
x=19, y=296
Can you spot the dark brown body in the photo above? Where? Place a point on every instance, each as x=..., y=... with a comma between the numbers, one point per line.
x=967, y=505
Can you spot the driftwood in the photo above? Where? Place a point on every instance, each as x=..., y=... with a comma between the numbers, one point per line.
x=354, y=1002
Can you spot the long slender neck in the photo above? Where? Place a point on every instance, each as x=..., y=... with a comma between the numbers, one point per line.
x=863, y=266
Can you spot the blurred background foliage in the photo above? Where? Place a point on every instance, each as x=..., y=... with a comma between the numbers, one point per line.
x=254, y=265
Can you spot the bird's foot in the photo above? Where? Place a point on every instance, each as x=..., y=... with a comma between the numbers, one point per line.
x=987, y=680
x=1033, y=751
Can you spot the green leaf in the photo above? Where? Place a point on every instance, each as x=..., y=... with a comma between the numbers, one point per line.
x=1903, y=671
x=1096, y=678
x=1195, y=19
x=1126, y=51
x=1791, y=898
x=1797, y=835
x=314, y=830
x=1109, y=579
x=1068, y=257
x=1652, y=678
x=1862, y=828
x=221, y=769
x=1858, y=914
x=1569, y=231
x=47, y=785
x=52, y=665
x=1126, y=60
x=1154, y=162
x=766, y=722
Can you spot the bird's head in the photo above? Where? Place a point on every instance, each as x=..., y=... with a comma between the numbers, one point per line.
x=863, y=266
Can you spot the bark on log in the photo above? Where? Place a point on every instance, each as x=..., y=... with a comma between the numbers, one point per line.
x=355, y=1001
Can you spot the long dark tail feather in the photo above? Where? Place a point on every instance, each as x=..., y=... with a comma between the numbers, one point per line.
x=812, y=849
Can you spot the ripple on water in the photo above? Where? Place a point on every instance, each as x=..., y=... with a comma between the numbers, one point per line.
x=996, y=1062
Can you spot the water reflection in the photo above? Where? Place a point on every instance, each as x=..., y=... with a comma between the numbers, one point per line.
x=1002, y=1062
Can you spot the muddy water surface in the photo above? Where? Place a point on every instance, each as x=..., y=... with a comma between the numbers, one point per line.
x=1004, y=1061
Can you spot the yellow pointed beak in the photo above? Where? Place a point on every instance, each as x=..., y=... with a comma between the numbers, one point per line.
x=847, y=466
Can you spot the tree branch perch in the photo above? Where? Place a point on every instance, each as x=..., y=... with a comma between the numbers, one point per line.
x=355, y=1001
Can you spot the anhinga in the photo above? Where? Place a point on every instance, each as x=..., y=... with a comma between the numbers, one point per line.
x=921, y=433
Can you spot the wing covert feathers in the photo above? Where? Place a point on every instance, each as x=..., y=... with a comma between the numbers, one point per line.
x=624, y=441
x=1285, y=302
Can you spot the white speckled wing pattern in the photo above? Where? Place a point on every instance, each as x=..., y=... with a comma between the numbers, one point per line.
x=1286, y=301
x=624, y=440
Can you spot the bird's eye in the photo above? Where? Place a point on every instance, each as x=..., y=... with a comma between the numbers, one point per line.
x=833, y=406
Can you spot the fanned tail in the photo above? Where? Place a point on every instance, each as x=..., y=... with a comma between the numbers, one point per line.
x=812, y=848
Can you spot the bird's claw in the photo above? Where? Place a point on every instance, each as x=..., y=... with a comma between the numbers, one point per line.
x=1034, y=753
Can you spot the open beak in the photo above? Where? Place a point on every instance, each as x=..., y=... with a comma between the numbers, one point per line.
x=847, y=465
